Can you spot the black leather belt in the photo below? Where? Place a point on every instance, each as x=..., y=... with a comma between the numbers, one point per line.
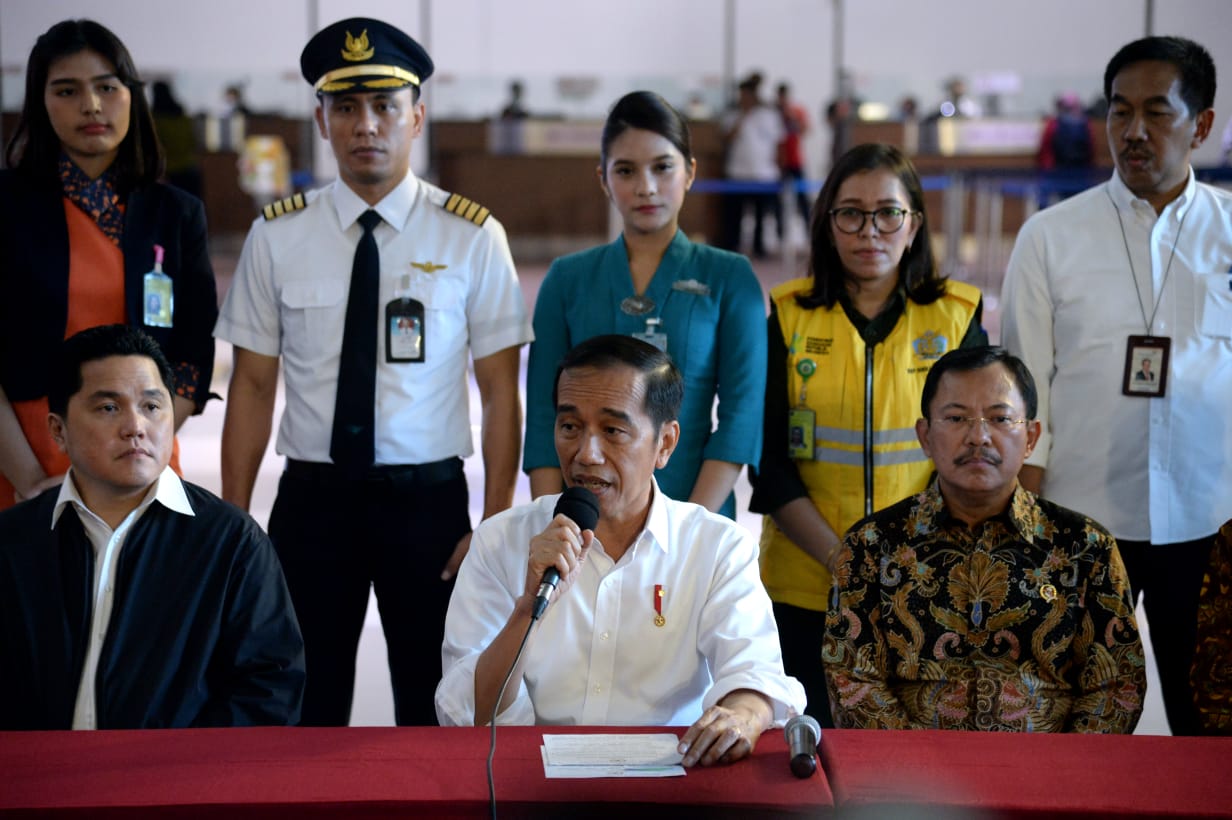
x=406, y=475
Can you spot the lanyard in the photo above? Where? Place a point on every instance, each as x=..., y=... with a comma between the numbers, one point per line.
x=1134, y=274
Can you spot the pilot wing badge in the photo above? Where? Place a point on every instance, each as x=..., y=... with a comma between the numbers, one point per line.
x=428, y=267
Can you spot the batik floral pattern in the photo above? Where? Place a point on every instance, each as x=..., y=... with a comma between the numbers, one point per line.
x=1023, y=623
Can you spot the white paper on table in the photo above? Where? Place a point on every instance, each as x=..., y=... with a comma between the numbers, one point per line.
x=615, y=755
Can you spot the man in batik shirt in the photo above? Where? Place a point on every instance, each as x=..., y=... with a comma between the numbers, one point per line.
x=1211, y=674
x=977, y=604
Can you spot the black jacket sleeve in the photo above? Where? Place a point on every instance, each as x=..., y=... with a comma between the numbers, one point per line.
x=776, y=480
x=256, y=673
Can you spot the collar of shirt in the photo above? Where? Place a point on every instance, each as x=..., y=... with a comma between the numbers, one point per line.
x=658, y=528
x=394, y=208
x=168, y=490
x=1022, y=513
x=96, y=197
x=1127, y=201
x=874, y=331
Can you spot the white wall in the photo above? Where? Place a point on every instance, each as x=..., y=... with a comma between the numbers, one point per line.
x=895, y=47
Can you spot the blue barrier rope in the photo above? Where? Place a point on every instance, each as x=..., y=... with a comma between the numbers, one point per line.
x=1012, y=181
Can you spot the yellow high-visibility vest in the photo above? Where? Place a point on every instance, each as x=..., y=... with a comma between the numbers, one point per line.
x=866, y=400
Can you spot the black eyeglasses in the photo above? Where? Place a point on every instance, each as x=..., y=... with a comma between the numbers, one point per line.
x=885, y=220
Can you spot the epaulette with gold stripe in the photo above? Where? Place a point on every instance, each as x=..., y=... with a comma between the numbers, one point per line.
x=284, y=206
x=465, y=208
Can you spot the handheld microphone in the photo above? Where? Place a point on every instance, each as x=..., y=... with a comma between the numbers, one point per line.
x=803, y=734
x=579, y=505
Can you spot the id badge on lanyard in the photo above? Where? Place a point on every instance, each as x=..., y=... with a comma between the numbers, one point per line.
x=156, y=294
x=801, y=420
x=652, y=335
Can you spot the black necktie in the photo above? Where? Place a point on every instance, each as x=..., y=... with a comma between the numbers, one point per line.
x=352, y=447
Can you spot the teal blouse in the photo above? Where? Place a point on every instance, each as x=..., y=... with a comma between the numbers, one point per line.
x=711, y=309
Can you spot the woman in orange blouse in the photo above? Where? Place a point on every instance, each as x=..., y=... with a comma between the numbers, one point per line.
x=82, y=219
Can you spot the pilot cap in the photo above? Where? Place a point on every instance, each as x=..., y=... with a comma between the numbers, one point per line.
x=361, y=54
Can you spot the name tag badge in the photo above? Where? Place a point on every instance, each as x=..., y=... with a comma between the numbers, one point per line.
x=652, y=335
x=156, y=298
x=800, y=424
x=404, y=331
x=800, y=419
x=1146, y=366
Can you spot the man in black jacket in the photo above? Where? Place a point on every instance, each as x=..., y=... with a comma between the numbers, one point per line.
x=129, y=598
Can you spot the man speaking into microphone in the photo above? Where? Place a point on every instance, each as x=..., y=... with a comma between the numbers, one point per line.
x=659, y=617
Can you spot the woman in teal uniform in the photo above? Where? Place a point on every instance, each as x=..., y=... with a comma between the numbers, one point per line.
x=701, y=304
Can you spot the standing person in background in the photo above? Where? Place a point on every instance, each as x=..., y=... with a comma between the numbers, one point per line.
x=233, y=104
x=957, y=103
x=175, y=133
x=849, y=348
x=87, y=236
x=1068, y=140
x=702, y=305
x=371, y=293
x=1138, y=265
x=515, y=109
x=753, y=132
x=841, y=112
x=791, y=154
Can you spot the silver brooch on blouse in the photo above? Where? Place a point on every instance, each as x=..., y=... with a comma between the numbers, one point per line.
x=637, y=305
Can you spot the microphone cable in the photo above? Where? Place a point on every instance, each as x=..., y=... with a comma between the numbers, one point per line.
x=580, y=506
x=496, y=710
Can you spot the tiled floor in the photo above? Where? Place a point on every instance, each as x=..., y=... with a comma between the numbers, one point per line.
x=373, y=706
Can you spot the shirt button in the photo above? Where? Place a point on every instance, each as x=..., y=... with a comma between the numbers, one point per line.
x=598, y=688
x=605, y=636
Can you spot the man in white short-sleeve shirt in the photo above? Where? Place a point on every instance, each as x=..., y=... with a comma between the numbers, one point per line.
x=371, y=293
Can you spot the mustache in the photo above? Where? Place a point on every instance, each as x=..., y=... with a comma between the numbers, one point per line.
x=981, y=454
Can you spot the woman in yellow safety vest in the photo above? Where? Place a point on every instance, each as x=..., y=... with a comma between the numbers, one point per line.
x=849, y=347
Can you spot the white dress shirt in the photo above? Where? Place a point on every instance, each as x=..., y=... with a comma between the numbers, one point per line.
x=596, y=657
x=107, y=543
x=1155, y=469
x=753, y=152
x=290, y=295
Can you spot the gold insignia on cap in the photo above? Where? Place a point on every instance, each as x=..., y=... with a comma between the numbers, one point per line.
x=465, y=208
x=357, y=49
x=284, y=206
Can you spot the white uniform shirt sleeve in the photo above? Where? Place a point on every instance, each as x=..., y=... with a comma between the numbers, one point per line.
x=1027, y=323
x=496, y=312
x=250, y=317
